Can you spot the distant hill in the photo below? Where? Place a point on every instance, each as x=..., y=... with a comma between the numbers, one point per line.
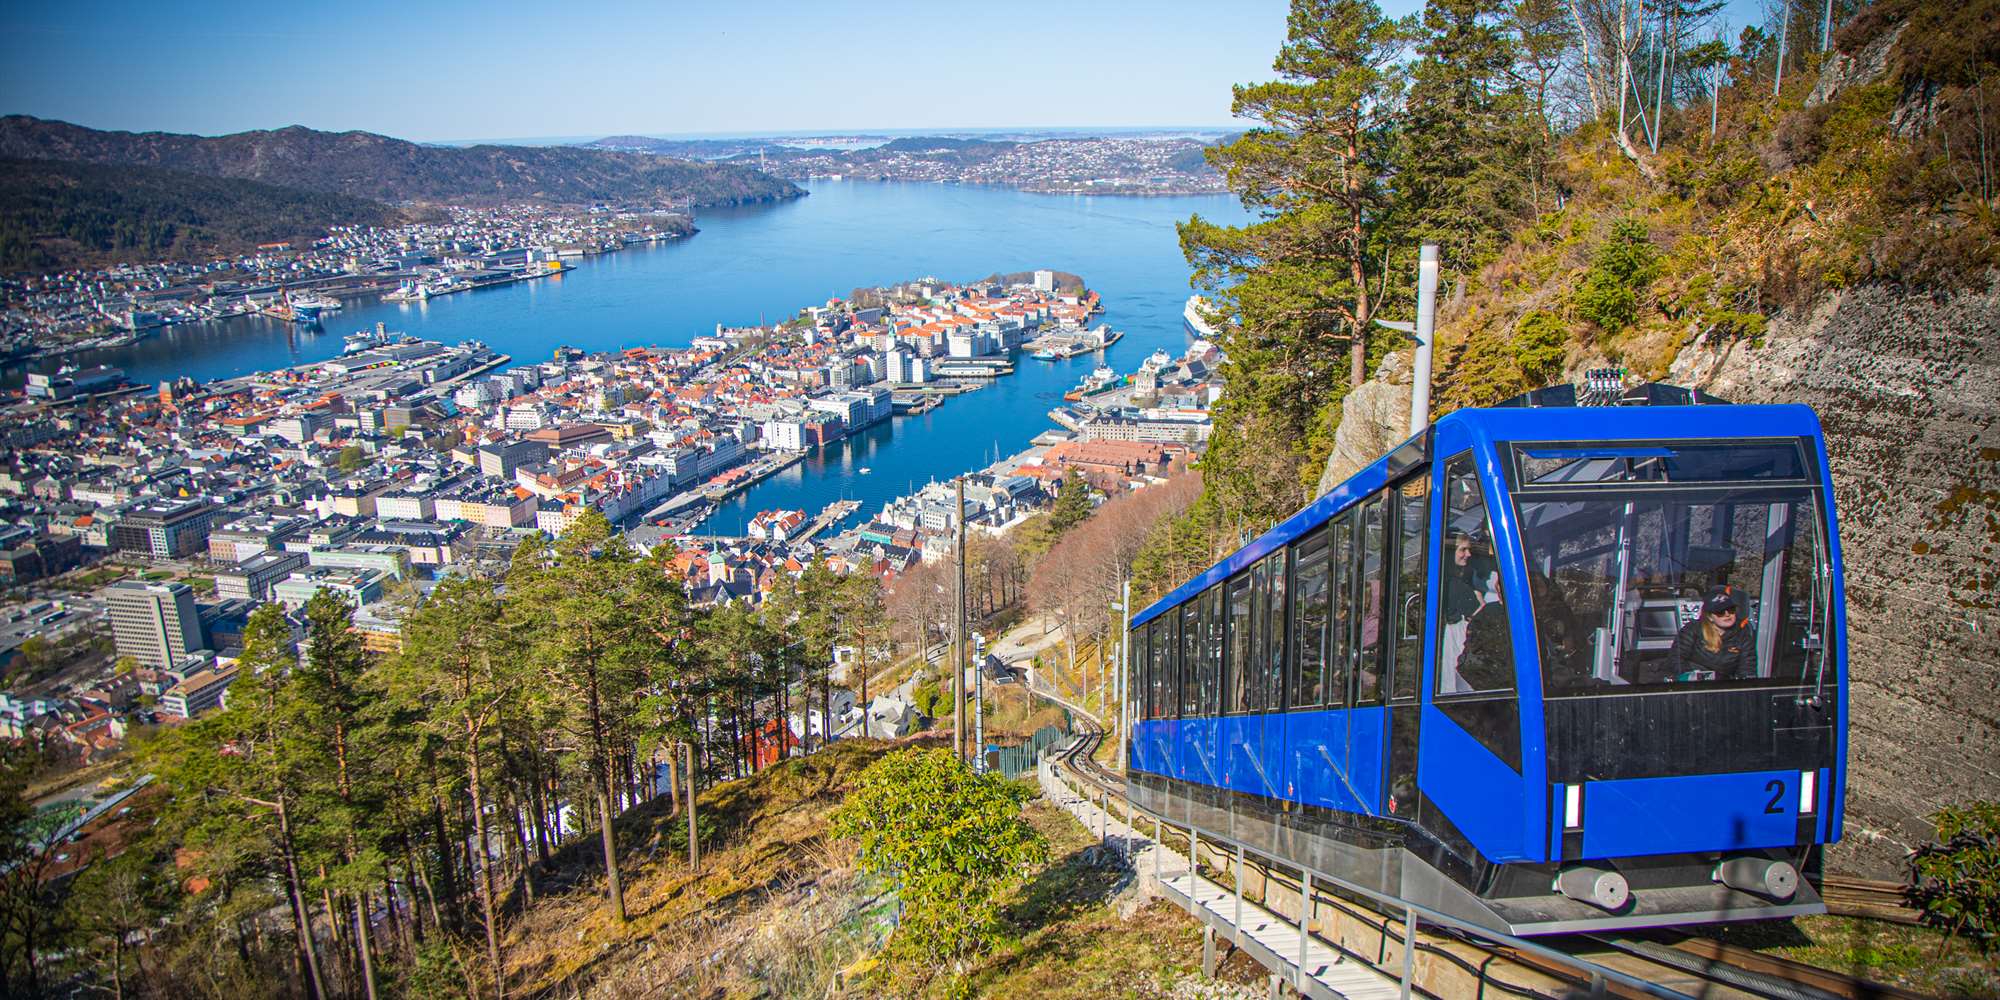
x=60, y=215
x=366, y=165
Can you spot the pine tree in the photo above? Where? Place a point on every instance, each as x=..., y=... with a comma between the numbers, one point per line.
x=337, y=711
x=1292, y=290
x=454, y=675
x=583, y=613
x=1072, y=506
x=1466, y=152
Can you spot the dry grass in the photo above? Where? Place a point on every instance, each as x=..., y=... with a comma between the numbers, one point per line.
x=779, y=910
x=775, y=910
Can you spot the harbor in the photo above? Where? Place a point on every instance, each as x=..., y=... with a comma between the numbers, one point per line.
x=1063, y=345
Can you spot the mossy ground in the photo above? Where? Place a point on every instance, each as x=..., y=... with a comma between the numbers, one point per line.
x=1916, y=958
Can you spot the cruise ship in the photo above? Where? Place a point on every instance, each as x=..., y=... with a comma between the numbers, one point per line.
x=1192, y=319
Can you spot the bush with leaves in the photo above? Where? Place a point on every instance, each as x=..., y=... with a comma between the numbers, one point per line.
x=951, y=840
x=1955, y=879
x=1624, y=265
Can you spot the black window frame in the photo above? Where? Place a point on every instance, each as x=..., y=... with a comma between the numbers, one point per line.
x=1238, y=641
x=1375, y=507
x=1406, y=544
x=1342, y=616
x=1311, y=554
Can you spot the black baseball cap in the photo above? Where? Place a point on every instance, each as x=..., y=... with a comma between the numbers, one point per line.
x=1721, y=599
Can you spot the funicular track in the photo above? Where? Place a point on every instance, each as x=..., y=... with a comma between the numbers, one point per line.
x=1624, y=966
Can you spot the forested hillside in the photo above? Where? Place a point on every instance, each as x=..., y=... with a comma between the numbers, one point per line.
x=62, y=215
x=1793, y=214
x=366, y=165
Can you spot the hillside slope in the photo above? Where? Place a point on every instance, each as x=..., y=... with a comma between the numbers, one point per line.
x=779, y=910
x=366, y=165
x=60, y=215
x=1820, y=251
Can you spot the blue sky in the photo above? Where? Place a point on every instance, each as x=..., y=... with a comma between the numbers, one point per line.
x=501, y=69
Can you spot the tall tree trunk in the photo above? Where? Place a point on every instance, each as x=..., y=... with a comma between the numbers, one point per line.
x=447, y=857
x=362, y=937
x=363, y=940
x=485, y=860
x=601, y=773
x=300, y=915
x=613, y=885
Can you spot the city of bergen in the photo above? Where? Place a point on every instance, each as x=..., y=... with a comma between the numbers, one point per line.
x=1332, y=498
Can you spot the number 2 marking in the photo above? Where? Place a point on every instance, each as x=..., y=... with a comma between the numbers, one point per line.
x=1777, y=790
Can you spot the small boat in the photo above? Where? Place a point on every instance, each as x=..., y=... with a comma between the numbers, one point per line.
x=864, y=470
x=1160, y=358
x=1046, y=354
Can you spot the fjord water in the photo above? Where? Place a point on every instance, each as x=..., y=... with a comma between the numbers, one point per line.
x=762, y=264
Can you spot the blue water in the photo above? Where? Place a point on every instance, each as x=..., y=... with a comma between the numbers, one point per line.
x=762, y=264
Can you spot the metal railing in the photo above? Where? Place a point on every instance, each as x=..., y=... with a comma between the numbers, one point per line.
x=1413, y=915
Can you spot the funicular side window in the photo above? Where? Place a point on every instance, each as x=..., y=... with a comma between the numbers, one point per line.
x=1273, y=632
x=1474, y=685
x=1340, y=655
x=1411, y=502
x=1239, y=669
x=1211, y=651
x=1189, y=674
x=1374, y=556
x=1159, y=657
x=1312, y=606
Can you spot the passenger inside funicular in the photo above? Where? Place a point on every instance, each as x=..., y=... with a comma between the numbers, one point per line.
x=1716, y=646
x=1473, y=647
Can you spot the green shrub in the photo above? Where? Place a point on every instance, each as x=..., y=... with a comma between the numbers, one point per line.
x=952, y=840
x=928, y=699
x=1955, y=879
x=1624, y=265
x=1541, y=341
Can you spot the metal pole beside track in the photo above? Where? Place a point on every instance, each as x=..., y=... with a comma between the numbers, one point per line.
x=1159, y=846
x=1194, y=866
x=1409, y=948
x=1305, y=926
x=1239, y=894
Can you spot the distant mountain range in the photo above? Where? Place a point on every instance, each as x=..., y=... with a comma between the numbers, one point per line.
x=55, y=216
x=366, y=165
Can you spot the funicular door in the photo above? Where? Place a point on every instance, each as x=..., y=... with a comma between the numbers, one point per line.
x=1469, y=765
x=1406, y=551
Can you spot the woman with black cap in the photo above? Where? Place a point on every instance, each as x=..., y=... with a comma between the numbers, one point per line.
x=1717, y=645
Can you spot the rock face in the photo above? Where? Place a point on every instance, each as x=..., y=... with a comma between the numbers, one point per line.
x=1908, y=390
x=1373, y=419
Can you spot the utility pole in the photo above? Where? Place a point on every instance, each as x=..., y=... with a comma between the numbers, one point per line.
x=1784, y=27
x=1124, y=669
x=958, y=632
x=978, y=704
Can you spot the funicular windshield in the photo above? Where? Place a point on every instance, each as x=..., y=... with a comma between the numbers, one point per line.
x=1673, y=564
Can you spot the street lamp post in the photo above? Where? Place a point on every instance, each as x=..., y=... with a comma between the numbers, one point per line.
x=1124, y=608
